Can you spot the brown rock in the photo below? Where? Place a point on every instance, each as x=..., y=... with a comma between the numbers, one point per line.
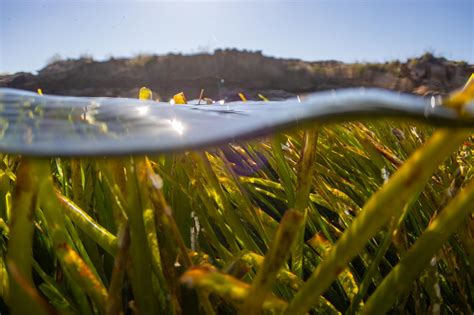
x=226, y=72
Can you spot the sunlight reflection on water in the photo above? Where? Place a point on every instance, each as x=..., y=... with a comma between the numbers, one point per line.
x=59, y=126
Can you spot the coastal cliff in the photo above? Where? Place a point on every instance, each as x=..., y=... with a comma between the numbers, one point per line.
x=224, y=73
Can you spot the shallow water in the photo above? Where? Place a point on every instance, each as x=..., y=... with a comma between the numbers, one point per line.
x=31, y=124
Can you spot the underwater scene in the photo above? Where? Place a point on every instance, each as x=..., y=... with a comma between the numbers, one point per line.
x=142, y=175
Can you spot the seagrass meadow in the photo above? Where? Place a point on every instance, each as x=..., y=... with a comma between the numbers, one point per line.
x=366, y=217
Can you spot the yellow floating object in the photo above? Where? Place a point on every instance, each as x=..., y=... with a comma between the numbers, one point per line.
x=462, y=96
x=263, y=98
x=180, y=98
x=242, y=97
x=145, y=94
x=40, y=91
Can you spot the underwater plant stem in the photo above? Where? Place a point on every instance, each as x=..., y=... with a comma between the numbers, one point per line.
x=156, y=261
x=419, y=255
x=284, y=276
x=227, y=287
x=19, y=255
x=114, y=299
x=256, y=216
x=97, y=233
x=371, y=271
x=221, y=198
x=164, y=211
x=139, y=249
x=305, y=169
x=76, y=181
x=283, y=169
x=304, y=180
x=288, y=229
x=4, y=227
x=407, y=181
x=73, y=264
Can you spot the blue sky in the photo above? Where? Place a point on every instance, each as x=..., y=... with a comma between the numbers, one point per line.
x=378, y=30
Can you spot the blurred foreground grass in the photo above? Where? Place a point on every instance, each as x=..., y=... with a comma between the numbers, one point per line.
x=380, y=220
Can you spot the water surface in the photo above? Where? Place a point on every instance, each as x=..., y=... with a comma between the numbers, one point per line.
x=31, y=124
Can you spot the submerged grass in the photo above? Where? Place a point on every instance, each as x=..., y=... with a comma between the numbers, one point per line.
x=355, y=217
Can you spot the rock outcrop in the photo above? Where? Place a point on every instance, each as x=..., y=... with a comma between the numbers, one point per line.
x=226, y=72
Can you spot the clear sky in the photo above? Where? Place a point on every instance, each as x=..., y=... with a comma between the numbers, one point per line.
x=31, y=32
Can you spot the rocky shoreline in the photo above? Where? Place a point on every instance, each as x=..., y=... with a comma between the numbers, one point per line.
x=225, y=73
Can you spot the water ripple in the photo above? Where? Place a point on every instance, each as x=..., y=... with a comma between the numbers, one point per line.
x=31, y=124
